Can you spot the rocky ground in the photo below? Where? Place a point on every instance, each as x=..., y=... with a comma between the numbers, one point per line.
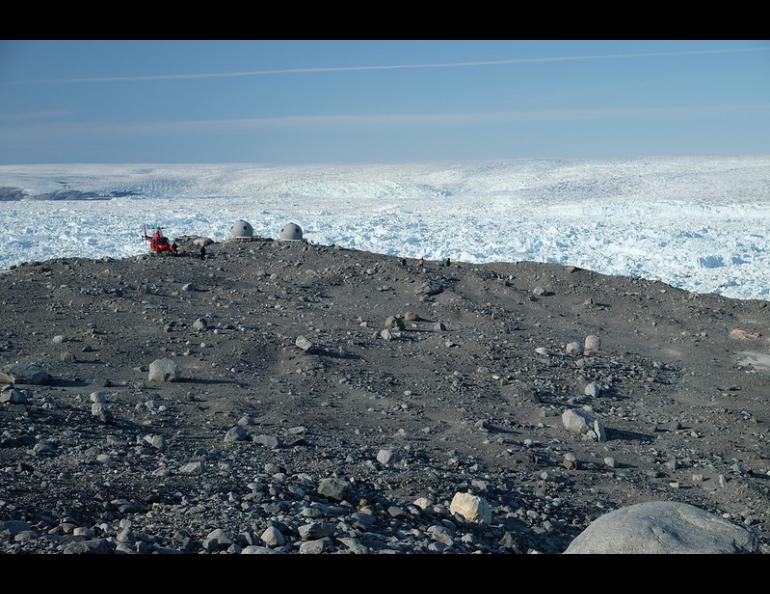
x=297, y=424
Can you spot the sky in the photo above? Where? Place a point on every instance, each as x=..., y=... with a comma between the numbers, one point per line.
x=285, y=102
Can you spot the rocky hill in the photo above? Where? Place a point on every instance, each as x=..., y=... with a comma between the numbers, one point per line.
x=281, y=397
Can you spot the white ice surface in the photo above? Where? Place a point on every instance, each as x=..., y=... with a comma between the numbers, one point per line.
x=702, y=224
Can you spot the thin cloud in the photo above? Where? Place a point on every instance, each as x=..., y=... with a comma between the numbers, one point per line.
x=363, y=121
x=160, y=77
x=32, y=115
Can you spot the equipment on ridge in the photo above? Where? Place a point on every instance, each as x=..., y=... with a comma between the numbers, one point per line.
x=158, y=242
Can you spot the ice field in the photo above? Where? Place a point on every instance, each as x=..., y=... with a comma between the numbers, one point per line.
x=702, y=224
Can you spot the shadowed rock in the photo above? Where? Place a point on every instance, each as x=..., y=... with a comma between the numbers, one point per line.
x=24, y=373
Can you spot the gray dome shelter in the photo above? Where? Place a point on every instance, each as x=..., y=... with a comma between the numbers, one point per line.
x=291, y=232
x=241, y=230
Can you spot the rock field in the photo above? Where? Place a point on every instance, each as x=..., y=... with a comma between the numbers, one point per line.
x=283, y=397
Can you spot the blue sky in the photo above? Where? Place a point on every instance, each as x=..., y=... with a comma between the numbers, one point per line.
x=379, y=101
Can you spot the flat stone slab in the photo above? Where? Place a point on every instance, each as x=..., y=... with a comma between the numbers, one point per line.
x=662, y=527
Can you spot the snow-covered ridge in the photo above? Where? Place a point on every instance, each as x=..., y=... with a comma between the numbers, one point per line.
x=698, y=223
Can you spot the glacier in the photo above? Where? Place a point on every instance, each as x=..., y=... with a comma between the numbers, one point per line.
x=697, y=223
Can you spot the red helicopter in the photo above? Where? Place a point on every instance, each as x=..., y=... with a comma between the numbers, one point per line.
x=158, y=242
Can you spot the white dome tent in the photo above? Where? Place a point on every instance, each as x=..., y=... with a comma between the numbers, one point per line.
x=241, y=230
x=291, y=232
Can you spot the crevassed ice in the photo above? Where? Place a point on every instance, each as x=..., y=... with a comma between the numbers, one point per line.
x=702, y=224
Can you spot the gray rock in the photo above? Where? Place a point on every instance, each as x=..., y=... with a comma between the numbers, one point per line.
x=573, y=348
x=246, y=420
x=394, y=323
x=164, y=370
x=592, y=390
x=314, y=547
x=200, y=324
x=24, y=373
x=662, y=527
x=365, y=521
x=67, y=357
x=471, y=507
x=592, y=345
x=272, y=537
x=386, y=334
x=217, y=539
x=439, y=327
x=191, y=468
x=570, y=461
x=428, y=289
x=13, y=396
x=156, y=441
x=410, y=316
x=269, y=441
x=333, y=488
x=601, y=434
x=43, y=448
x=96, y=546
x=577, y=421
x=315, y=530
x=98, y=397
x=423, y=503
x=387, y=457
x=236, y=434
x=304, y=344
x=25, y=536
x=15, y=526
x=255, y=550
x=440, y=534
x=58, y=339
x=354, y=546
x=98, y=409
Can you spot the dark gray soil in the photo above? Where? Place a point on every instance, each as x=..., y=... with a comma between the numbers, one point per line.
x=471, y=408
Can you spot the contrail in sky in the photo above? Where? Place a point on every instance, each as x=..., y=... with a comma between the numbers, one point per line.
x=386, y=67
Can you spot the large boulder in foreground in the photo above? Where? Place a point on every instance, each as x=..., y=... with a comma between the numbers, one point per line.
x=164, y=370
x=662, y=527
x=24, y=373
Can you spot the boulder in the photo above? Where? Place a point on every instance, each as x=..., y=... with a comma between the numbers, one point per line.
x=164, y=370
x=237, y=433
x=333, y=488
x=573, y=348
x=592, y=345
x=387, y=457
x=97, y=546
x=191, y=468
x=269, y=441
x=272, y=537
x=662, y=527
x=394, y=323
x=13, y=396
x=303, y=343
x=577, y=421
x=24, y=373
x=471, y=507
